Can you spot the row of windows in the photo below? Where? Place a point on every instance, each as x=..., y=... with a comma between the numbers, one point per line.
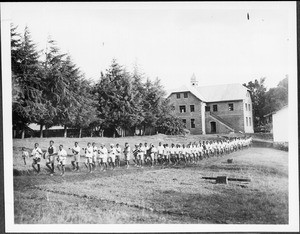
x=247, y=107
x=182, y=109
x=249, y=121
x=215, y=107
x=193, y=125
x=185, y=95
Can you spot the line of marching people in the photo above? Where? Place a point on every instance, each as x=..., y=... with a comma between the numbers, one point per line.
x=141, y=155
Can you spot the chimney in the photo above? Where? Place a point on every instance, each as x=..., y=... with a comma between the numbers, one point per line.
x=194, y=81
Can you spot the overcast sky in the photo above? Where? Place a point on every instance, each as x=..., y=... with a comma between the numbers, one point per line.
x=216, y=41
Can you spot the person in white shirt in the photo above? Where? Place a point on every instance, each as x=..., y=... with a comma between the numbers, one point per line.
x=112, y=156
x=103, y=154
x=140, y=154
x=160, y=152
x=146, y=151
x=172, y=153
x=62, y=157
x=127, y=154
x=25, y=155
x=36, y=154
x=152, y=152
x=76, y=156
x=50, y=155
x=89, y=157
x=166, y=154
x=118, y=155
x=184, y=152
x=95, y=154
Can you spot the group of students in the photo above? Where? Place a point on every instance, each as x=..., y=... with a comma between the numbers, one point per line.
x=142, y=154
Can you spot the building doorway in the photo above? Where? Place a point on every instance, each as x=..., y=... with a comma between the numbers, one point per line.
x=213, y=127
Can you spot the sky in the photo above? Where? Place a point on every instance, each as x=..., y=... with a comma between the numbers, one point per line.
x=172, y=41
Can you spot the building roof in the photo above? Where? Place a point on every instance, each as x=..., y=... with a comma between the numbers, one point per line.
x=215, y=93
x=187, y=88
x=226, y=92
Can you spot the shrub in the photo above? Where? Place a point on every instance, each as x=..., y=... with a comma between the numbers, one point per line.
x=281, y=146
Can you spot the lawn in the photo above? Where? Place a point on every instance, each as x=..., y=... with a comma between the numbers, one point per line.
x=157, y=195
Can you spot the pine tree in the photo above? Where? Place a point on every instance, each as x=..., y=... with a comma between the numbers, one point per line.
x=115, y=100
x=28, y=103
x=258, y=96
x=55, y=84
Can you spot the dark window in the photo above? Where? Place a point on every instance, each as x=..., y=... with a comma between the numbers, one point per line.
x=182, y=109
x=230, y=106
x=184, y=122
x=249, y=109
x=246, y=121
x=185, y=95
x=178, y=95
x=249, y=121
x=246, y=106
x=207, y=108
x=192, y=123
x=215, y=107
x=192, y=108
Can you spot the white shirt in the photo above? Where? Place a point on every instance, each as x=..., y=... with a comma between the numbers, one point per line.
x=37, y=152
x=112, y=151
x=89, y=151
x=95, y=150
x=103, y=151
x=62, y=153
x=160, y=149
x=76, y=150
x=118, y=151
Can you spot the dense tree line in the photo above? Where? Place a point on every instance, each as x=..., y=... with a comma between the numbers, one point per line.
x=267, y=101
x=49, y=89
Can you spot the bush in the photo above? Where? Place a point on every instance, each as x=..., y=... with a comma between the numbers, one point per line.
x=281, y=146
x=170, y=125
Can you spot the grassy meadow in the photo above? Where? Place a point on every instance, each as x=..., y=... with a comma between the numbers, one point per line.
x=171, y=194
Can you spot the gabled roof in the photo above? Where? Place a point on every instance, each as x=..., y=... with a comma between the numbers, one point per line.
x=226, y=92
x=215, y=93
x=186, y=88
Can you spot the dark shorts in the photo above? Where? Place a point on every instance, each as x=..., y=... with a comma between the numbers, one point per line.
x=36, y=161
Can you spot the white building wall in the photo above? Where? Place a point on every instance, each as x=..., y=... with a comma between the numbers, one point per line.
x=203, y=117
x=248, y=113
x=280, y=126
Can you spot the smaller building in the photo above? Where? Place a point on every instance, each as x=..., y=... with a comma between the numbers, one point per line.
x=280, y=126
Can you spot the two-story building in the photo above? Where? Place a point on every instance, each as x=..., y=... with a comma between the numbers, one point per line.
x=213, y=109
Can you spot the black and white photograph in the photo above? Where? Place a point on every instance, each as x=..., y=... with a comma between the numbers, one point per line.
x=150, y=116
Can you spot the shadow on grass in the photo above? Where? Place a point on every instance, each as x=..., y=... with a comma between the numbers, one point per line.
x=227, y=207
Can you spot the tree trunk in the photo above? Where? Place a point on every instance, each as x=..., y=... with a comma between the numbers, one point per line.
x=23, y=133
x=144, y=132
x=80, y=132
x=41, y=130
x=65, y=131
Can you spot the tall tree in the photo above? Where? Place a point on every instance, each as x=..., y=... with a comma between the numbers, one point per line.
x=86, y=112
x=70, y=98
x=258, y=96
x=115, y=99
x=55, y=84
x=28, y=103
x=276, y=97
